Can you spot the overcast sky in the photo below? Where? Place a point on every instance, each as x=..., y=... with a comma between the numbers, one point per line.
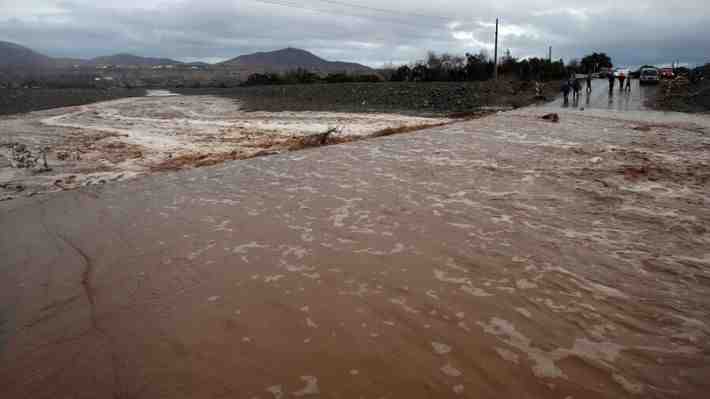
x=632, y=32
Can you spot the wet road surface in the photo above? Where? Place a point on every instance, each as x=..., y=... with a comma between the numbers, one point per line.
x=601, y=98
x=507, y=257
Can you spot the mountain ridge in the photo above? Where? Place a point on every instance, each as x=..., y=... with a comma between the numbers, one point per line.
x=130, y=59
x=14, y=55
x=291, y=58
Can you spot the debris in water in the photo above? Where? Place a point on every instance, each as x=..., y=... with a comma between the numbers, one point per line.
x=551, y=117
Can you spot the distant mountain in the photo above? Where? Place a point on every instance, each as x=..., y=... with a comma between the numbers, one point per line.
x=198, y=64
x=19, y=59
x=130, y=59
x=67, y=62
x=289, y=59
x=15, y=56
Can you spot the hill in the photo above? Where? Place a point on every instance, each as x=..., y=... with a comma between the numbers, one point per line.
x=13, y=55
x=289, y=59
x=130, y=59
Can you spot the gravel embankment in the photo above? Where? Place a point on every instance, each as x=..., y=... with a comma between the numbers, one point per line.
x=406, y=97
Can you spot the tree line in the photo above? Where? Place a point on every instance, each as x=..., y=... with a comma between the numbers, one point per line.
x=304, y=76
x=435, y=68
x=477, y=67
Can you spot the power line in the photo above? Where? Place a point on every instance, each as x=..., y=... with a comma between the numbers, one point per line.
x=339, y=12
x=386, y=10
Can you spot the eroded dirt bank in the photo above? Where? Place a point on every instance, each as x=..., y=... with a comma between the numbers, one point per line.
x=506, y=257
x=118, y=140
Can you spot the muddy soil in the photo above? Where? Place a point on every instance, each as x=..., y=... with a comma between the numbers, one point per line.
x=410, y=98
x=15, y=101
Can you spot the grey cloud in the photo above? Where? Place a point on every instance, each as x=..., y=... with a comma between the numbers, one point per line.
x=650, y=32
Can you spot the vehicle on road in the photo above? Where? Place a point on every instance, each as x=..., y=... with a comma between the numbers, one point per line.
x=649, y=76
x=666, y=73
x=622, y=72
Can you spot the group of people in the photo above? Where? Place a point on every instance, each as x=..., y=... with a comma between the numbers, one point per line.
x=621, y=78
x=573, y=85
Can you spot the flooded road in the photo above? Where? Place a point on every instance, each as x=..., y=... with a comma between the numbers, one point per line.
x=506, y=257
x=601, y=98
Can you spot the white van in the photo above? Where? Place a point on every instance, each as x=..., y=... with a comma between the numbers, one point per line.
x=649, y=76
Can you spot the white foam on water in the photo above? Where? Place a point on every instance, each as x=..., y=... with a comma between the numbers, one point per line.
x=160, y=93
x=450, y=370
x=311, y=387
x=475, y=291
x=440, y=349
x=403, y=303
x=524, y=312
x=273, y=278
x=276, y=390
x=432, y=294
x=441, y=276
x=544, y=365
x=634, y=388
x=524, y=284
x=507, y=355
x=244, y=248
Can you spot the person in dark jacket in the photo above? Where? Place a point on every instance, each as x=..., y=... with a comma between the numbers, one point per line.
x=622, y=77
x=576, y=89
x=611, y=81
x=565, y=89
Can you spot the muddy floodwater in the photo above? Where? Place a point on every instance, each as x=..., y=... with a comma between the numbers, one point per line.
x=122, y=139
x=506, y=257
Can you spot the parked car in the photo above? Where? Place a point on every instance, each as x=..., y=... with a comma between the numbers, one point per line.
x=649, y=76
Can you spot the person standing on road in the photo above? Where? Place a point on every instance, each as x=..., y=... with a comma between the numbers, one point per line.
x=576, y=89
x=566, y=87
x=611, y=78
x=589, y=83
x=622, y=77
x=628, y=84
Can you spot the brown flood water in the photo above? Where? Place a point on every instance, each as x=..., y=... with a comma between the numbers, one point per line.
x=507, y=257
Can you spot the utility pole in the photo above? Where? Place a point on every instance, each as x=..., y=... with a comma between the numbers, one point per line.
x=495, y=55
x=549, y=57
